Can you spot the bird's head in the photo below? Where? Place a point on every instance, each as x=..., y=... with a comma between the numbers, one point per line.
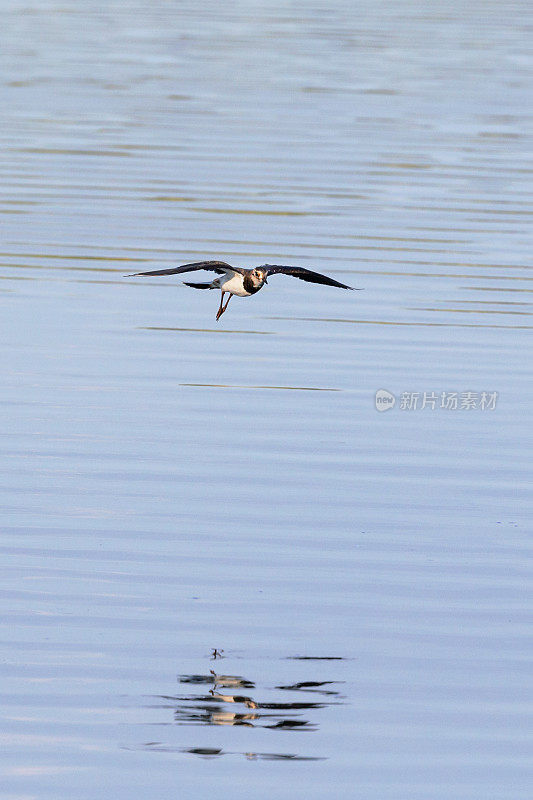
x=258, y=276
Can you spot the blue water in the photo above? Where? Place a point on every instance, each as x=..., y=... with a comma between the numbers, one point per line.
x=171, y=484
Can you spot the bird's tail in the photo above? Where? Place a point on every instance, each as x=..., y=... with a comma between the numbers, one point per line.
x=198, y=285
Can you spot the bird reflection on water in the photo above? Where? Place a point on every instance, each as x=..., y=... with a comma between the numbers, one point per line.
x=233, y=700
x=209, y=709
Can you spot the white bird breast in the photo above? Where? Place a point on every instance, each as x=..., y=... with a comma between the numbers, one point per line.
x=232, y=282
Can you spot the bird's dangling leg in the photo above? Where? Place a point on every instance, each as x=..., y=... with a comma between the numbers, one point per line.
x=220, y=308
x=227, y=301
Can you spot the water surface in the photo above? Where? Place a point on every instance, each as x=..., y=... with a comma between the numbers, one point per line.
x=172, y=485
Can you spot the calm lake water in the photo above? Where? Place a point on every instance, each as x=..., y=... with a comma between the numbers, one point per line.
x=172, y=485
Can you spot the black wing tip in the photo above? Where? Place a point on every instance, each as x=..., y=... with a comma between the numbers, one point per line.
x=141, y=274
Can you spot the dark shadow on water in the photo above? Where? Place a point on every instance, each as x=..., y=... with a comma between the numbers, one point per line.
x=214, y=752
x=205, y=330
x=398, y=323
x=237, y=386
x=317, y=658
x=311, y=686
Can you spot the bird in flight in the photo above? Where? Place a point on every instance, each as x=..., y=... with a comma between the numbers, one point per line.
x=239, y=281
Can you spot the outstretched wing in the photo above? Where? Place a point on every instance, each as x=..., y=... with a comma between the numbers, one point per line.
x=303, y=274
x=220, y=267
